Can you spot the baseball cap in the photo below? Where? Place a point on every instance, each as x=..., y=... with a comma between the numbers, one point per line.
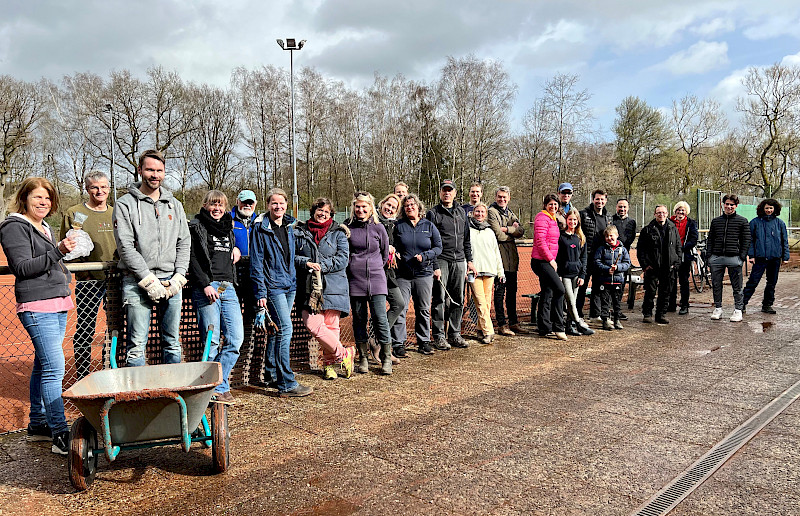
x=247, y=195
x=564, y=186
x=447, y=183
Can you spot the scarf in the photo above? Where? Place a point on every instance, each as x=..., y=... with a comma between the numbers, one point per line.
x=218, y=228
x=318, y=230
x=552, y=217
x=476, y=224
x=681, y=227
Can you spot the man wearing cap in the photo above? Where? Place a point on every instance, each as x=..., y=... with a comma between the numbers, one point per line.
x=453, y=264
x=507, y=229
x=564, y=197
x=475, y=194
x=243, y=215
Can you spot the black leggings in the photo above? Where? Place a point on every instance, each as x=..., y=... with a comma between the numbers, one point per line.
x=550, y=316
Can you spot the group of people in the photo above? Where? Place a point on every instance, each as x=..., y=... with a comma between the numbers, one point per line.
x=372, y=265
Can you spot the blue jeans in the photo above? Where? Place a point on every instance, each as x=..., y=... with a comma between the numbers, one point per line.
x=47, y=334
x=278, y=366
x=138, y=307
x=380, y=324
x=225, y=314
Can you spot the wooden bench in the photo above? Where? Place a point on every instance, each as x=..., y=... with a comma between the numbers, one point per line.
x=534, y=300
x=634, y=280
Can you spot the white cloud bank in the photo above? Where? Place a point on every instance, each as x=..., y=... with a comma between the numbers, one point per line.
x=700, y=58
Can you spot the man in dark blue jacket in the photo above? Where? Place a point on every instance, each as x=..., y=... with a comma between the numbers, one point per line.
x=454, y=262
x=769, y=244
x=243, y=215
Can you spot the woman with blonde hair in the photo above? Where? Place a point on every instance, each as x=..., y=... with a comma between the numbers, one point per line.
x=41, y=288
x=571, y=262
x=489, y=264
x=387, y=215
x=687, y=230
x=369, y=251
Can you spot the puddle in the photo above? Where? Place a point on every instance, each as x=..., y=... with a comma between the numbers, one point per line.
x=760, y=327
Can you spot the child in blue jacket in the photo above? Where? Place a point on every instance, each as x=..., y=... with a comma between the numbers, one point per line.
x=611, y=261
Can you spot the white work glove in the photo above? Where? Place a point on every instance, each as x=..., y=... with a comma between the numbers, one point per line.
x=155, y=290
x=174, y=285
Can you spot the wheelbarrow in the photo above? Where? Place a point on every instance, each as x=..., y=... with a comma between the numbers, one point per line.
x=144, y=407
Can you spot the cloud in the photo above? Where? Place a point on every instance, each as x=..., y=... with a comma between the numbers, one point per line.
x=715, y=27
x=700, y=58
x=728, y=90
x=792, y=60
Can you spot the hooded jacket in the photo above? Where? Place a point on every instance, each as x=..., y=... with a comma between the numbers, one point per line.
x=200, y=257
x=35, y=261
x=768, y=238
x=571, y=258
x=152, y=236
x=332, y=254
x=269, y=271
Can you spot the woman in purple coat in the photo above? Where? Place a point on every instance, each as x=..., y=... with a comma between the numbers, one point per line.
x=369, y=251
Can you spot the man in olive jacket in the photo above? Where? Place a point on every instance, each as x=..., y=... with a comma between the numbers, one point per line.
x=507, y=228
x=659, y=252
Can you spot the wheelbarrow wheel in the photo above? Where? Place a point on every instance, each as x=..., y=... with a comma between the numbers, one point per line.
x=82, y=461
x=220, y=453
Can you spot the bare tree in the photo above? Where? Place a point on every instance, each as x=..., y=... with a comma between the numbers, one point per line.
x=641, y=136
x=569, y=114
x=216, y=136
x=771, y=111
x=171, y=114
x=535, y=149
x=697, y=123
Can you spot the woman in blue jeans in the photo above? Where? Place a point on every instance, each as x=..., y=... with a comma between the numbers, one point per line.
x=369, y=251
x=274, y=278
x=213, y=277
x=41, y=287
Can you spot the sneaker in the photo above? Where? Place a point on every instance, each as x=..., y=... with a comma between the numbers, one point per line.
x=716, y=314
x=504, y=330
x=399, y=350
x=560, y=335
x=441, y=344
x=623, y=317
x=647, y=319
x=767, y=310
x=61, y=443
x=457, y=341
x=607, y=324
x=596, y=320
x=425, y=348
x=225, y=397
x=329, y=372
x=585, y=330
x=572, y=330
x=684, y=310
x=618, y=325
x=737, y=316
x=297, y=392
x=487, y=339
x=39, y=432
x=347, y=363
x=660, y=319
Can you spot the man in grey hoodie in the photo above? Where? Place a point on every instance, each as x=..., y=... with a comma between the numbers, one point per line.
x=153, y=242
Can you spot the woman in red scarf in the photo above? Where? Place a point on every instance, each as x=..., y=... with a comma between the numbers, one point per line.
x=687, y=230
x=321, y=245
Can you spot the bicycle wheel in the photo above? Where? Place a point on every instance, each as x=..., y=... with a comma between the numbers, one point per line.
x=698, y=276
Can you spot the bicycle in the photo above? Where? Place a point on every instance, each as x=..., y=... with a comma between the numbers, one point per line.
x=701, y=272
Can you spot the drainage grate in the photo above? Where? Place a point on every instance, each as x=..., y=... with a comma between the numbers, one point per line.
x=673, y=493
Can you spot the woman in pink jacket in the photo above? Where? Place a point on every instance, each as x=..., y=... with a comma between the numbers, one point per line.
x=550, y=317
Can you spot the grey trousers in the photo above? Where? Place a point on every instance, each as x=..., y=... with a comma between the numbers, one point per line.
x=454, y=278
x=397, y=307
x=718, y=264
x=571, y=294
x=418, y=289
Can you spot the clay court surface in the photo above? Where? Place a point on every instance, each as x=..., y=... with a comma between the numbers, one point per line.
x=526, y=426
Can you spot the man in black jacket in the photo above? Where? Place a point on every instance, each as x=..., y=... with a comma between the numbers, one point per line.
x=728, y=242
x=453, y=264
x=627, y=234
x=594, y=220
x=659, y=253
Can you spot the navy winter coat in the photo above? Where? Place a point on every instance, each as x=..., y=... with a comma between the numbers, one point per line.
x=571, y=258
x=410, y=240
x=768, y=238
x=269, y=271
x=605, y=257
x=332, y=254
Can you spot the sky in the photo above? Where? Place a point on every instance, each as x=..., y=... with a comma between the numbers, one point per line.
x=656, y=50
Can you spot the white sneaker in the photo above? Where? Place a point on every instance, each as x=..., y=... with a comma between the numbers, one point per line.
x=715, y=316
x=737, y=316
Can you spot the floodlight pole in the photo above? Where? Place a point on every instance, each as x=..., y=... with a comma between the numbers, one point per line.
x=292, y=45
x=110, y=109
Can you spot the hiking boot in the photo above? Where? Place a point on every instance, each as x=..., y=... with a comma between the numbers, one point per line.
x=684, y=310
x=648, y=319
x=737, y=316
x=297, y=392
x=457, y=341
x=61, y=443
x=660, y=319
x=607, y=324
x=363, y=361
x=347, y=363
x=767, y=310
x=329, y=372
x=519, y=330
x=716, y=314
x=425, y=348
x=399, y=350
x=39, y=432
x=225, y=397
x=618, y=325
x=441, y=344
x=504, y=330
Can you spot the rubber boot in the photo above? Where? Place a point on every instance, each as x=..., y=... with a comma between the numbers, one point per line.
x=363, y=361
x=386, y=358
x=375, y=353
